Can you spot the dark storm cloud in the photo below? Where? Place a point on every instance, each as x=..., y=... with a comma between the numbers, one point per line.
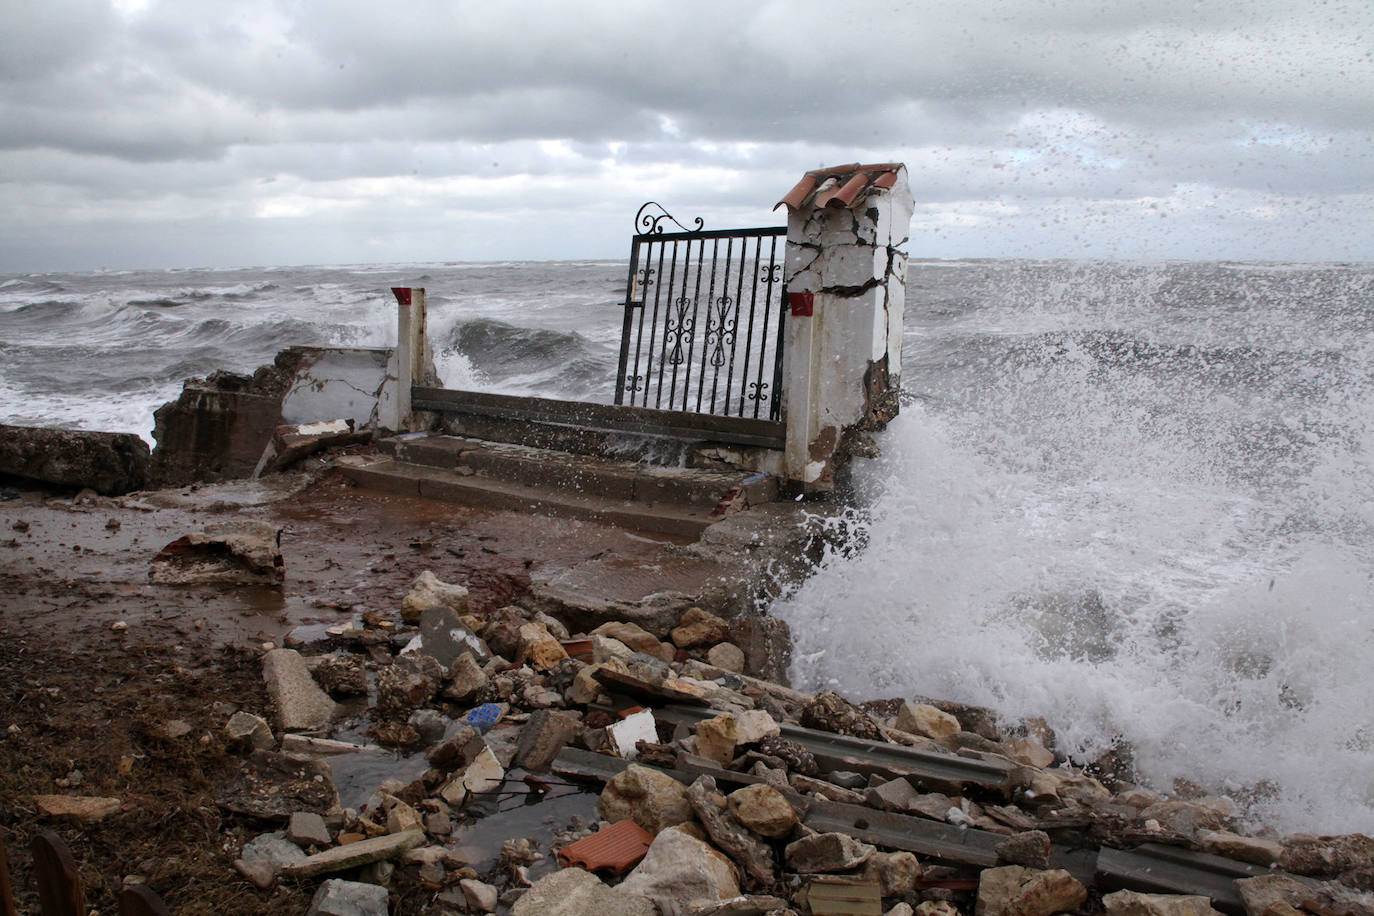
x=142, y=112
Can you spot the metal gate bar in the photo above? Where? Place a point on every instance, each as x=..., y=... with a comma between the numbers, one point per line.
x=672, y=339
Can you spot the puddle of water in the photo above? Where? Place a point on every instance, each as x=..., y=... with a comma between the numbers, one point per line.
x=514, y=812
x=357, y=775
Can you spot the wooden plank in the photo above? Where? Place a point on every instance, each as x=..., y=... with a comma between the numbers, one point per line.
x=6, y=886
x=587, y=415
x=58, y=879
x=141, y=901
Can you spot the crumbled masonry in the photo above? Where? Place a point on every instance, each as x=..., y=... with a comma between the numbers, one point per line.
x=745, y=796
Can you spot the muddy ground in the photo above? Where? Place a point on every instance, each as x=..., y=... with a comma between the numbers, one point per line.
x=95, y=661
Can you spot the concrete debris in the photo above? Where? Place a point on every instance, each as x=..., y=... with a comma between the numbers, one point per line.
x=238, y=552
x=336, y=897
x=85, y=808
x=301, y=704
x=899, y=806
x=109, y=463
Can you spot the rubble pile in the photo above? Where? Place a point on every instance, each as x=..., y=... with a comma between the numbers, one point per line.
x=719, y=792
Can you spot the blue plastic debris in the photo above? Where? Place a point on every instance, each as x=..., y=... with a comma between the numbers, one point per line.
x=485, y=716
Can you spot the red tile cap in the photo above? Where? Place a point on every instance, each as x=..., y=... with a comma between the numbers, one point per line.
x=840, y=185
x=616, y=849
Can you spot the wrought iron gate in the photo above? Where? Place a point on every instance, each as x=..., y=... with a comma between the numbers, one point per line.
x=703, y=325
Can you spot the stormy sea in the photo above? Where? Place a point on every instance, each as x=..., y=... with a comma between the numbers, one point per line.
x=1134, y=499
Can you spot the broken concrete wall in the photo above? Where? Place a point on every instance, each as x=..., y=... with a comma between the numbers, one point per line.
x=219, y=427
x=109, y=463
x=846, y=280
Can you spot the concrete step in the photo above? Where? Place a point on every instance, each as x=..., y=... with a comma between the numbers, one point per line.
x=449, y=485
x=649, y=485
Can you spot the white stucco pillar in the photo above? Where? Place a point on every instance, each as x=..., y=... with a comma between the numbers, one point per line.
x=412, y=355
x=846, y=284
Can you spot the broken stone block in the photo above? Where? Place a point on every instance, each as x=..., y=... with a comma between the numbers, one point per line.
x=764, y=810
x=1015, y=891
x=480, y=896
x=429, y=724
x=307, y=828
x=539, y=647
x=412, y=680
x=604, y=649
x=1208, y=813
x=678, y=868
x=753, y=725
x=427, y=592
x=262, y=875
x=767, y=645
x=1030, y=752
x=356, y=854
x=484, y=774
x=830, y=712
x=827, y=852
x=400, y=817
x=716, y=739
x=1030, y=848
x=444, y=637
x=730, y=835
x=272, y=786
x=1264, y=893
x=632, y=635
x=699, y=628
x=244, y=727
x=87, y=808
x=651, y=798
x=543, y=736
x=585, y=688
x=109, y=463
x=301, y=704
x=1130, y=903
x=896, y=872
x=574, y=892
x=273, y=848
x=1255, y=850
x=341, y=675
x=921, y=719
x=337, y=897
x=242, y=551
x=894, y=795
x=466, y=679
x=726, y=655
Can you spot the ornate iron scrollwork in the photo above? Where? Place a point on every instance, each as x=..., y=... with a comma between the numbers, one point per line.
x=674, y=331
x=758, y=391
x=646, y=223
x=634, y=383
x=770, y=272
x=720, y=330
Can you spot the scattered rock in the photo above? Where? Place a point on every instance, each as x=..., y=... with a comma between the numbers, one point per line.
x=631, y=635
x=1030, y=752
x=428, y=593
x=456, y=751
x=86, y=808
x=242, y=551
x=1015, y=891
x=923, y=719
x=466, y=679
x=411, y=681
x=356, y=854
x=272, y=786
x=574, y=892
x=896, y=872
x=699, y=628
x=539, y=647
x=341, y=675
x=1130, y=903
x=544, y=735
x=833, y=713
x=680, y=871
x=301, y=704
x=1255, y=850
x=716, y=739
x=729, y=834
x=651, y=798
x=481, y=897
x=308, y=829
x=445, y=638
x=764, y=810
x=337, y=897
x=1030, y=848
x=276, y=849
x=826, y=853
x=726, y=655
x=246, y=728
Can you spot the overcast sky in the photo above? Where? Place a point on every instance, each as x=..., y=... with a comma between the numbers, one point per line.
x=143, y=133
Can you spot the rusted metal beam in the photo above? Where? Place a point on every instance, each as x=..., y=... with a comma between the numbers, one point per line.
x=1155, y=869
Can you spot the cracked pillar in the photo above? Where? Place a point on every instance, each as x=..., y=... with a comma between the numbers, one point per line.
x=414, y=362
x=845, y=275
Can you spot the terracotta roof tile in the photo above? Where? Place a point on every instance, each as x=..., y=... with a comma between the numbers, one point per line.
x=840, y=185
x=616, y=848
